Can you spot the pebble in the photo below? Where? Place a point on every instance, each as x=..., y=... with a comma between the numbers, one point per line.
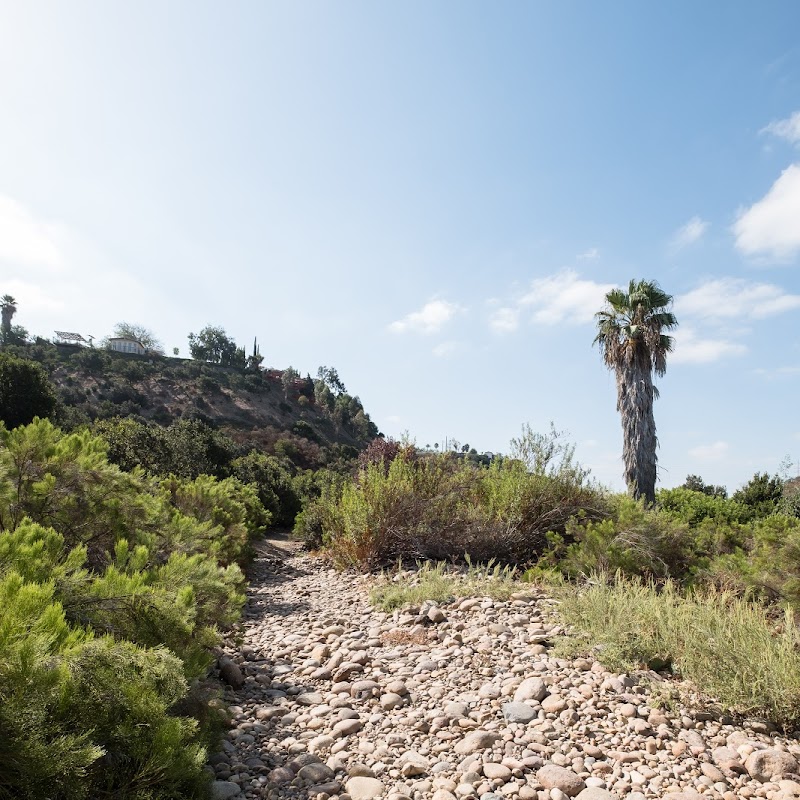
x=455, y=701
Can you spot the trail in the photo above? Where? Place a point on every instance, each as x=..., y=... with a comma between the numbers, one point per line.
x=460, y=701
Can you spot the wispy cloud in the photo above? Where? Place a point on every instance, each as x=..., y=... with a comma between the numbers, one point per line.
x=431, y=318
x=26, y=240
x=710, y=452
x=770, y=226
x=689, y=233
x=445, y=349
x=692, y=348
x=788, y=129
x=564, y=297
x=504, y=320
x=735, y=298
x=589, y=255
x=778, y=372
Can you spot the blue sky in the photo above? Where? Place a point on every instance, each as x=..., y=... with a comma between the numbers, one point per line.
x=433, y=197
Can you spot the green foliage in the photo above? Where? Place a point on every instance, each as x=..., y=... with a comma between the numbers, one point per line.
x=547, y=453
x=186, y=448
x=697, y=484
x=634, y=539
x=112, y=586
x=693, y=506
x=444, y=507
x=762, y=493
x=214, y=345
x=728, y=647
x=273, y=484
x=25, y=391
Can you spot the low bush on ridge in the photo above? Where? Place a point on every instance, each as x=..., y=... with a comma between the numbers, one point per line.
x=112, y=586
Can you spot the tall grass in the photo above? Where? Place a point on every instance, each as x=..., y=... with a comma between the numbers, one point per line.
x=442, y=583
x=728, y=647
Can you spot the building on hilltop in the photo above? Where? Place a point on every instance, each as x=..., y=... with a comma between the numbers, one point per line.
x=124, y=345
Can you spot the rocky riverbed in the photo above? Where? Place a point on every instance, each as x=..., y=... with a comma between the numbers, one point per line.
x=330, y=699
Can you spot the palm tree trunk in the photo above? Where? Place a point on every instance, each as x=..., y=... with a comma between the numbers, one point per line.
x=635, y=394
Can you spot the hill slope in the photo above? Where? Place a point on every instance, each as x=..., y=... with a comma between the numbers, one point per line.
x=302, y=421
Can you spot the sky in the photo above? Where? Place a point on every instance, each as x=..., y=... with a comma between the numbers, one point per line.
x=432, y=197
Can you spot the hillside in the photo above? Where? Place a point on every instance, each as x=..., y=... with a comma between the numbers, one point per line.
x=306, y=421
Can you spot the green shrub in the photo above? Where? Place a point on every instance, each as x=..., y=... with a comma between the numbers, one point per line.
x=25, y=391
x=693, y=507
x=112, y=588
x=634, y=540
x=85, y=716
x=728, y=647
x=442, y=507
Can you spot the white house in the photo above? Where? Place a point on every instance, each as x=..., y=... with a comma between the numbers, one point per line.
x=123, y=345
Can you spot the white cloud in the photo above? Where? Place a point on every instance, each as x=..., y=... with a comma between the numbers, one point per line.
x=691, y=348
x=25, y=240
x=589, y=255
x=710, y=452
x=504, y=320
x=429, y=319
x=444, y=349
x=770, y=226
x=788, y=128
x=32, y=297
x=689, y=233
x=564, y=297
x=735, y=298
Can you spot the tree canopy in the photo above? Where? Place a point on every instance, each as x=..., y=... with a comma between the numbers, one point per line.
x=25, y=391
x=212, y=344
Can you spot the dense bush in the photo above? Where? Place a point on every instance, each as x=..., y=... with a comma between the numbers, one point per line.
x=694, y=506
x=113, y=586
x=443, y=507
x=25, y=391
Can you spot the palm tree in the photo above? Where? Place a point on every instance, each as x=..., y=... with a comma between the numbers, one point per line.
x=8, y=307
x=632, y=342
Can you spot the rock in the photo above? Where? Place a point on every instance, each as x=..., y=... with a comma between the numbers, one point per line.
x=362, y=689
x=223, y=790
x=594, y=793
x=476, y=741
x=531, y=689
x=316, y=773
x=710, y=771
x=763, y=764
x=436, y=615
x=346, y=670
x=231, y=673
x=553, y=704
x=280, y=775
x=412, y=763
x=496, y=772
x=519, y=712
x=361, y=788
x=552, y=776
x=397, y=687
x=310, y=699
x=455, y=710
x=390, y=701
x=347, y=727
